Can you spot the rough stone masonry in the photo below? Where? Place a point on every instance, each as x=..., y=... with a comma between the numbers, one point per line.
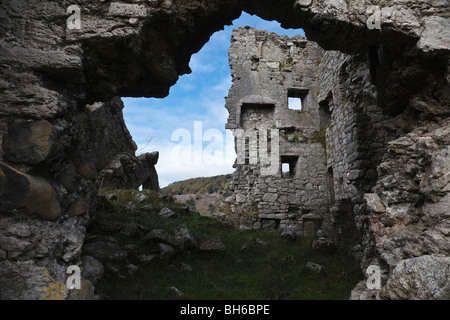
x=387, y=89
x=333, y=149
x=267, y=70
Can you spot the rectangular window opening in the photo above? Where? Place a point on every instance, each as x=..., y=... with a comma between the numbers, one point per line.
x=330, y=182
x=252, y=113
x=295, y=104
x=324, y=114
x=288, y=165
x=296, y=99
x=247, y=150
x=286, y=169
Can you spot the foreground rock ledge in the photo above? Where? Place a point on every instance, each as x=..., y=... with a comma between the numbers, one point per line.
x=421, y=278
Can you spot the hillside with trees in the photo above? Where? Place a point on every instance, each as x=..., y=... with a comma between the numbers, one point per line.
x=204, y=185
x=206, y=194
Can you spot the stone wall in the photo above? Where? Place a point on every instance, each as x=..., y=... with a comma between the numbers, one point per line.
x=267, y=69
x=386, y=209
x=338, y=136
x=356, y=139
x=365, y=134
x=361, y=145
x=47, y=193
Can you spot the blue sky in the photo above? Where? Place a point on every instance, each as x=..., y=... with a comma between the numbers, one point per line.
x=188, y=126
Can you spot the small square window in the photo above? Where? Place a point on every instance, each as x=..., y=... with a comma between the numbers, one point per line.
x=296, y=99
x=288, y=165
x=295, y=104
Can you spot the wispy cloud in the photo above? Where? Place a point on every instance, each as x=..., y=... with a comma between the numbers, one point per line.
x=183, y=160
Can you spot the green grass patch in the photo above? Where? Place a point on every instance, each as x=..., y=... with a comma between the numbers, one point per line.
x=248, y=270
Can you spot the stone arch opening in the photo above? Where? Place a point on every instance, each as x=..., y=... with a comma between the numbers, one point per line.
x=198, y=96
x=330, y=180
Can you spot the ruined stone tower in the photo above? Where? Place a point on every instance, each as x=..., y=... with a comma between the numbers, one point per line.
x=355, y=172
x=270, y=74
x=324, y=151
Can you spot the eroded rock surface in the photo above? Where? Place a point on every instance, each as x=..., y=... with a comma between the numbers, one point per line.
x=421, y=278
x=61, y=123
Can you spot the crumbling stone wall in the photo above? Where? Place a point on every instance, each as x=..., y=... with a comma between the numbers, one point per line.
x=364, y=122
x=367, y=130
x=356, y=139
x=267, y=69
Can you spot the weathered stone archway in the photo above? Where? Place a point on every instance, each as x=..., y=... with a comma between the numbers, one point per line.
x=58, y=103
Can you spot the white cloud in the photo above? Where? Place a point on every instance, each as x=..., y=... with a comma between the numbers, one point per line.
x=180, y=162
x=199, y=65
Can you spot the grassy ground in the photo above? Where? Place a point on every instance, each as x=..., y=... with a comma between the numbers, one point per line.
x=247, y=270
